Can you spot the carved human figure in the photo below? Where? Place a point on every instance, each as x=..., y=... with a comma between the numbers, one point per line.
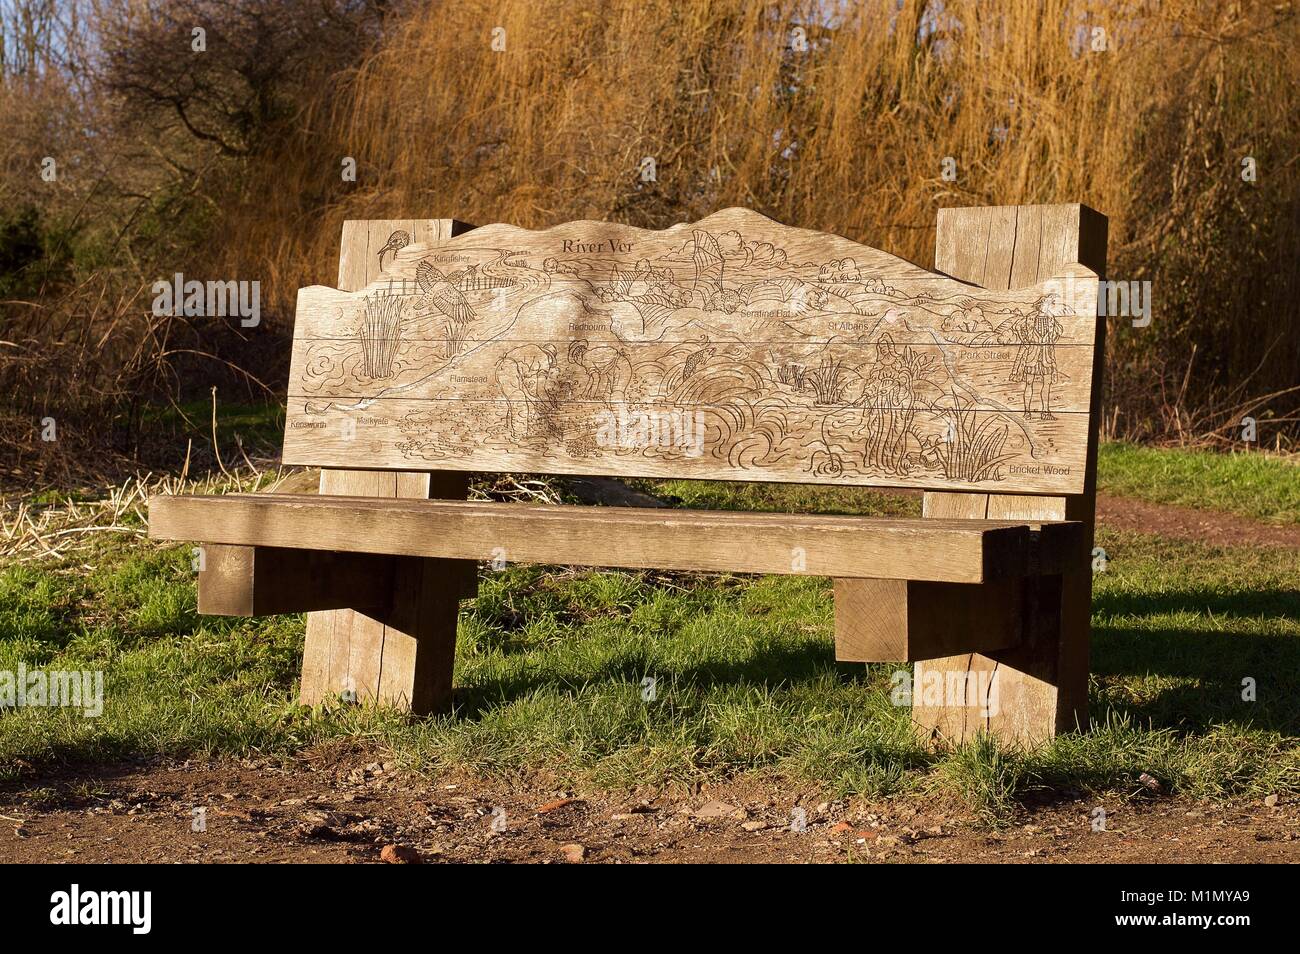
x=604, y=372
x=1035, y=361
x=523, y=375
x=889, y=400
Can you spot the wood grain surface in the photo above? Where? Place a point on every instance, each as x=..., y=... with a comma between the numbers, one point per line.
x=731, y=348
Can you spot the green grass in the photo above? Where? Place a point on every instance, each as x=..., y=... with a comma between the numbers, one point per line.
x=782, y=498
x=259, y=426
x=551, y=664
x=1248, y=484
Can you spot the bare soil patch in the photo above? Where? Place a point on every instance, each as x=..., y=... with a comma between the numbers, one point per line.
x=1117, y=513
x=1200, y=526
x=345, y=805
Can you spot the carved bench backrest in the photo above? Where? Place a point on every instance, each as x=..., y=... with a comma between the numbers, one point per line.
x=732, y=348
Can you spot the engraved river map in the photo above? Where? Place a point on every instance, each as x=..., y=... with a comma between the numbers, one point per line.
x=731, y=347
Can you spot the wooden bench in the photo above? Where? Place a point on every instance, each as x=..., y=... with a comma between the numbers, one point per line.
x=734, y=348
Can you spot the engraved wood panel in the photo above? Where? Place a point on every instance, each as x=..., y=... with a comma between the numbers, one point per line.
x=732, y=348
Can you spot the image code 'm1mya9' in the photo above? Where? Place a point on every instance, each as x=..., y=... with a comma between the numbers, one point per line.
x=731, y=348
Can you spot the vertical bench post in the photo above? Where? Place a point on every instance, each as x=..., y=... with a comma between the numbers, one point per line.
x=404, y=656
x=1042, y=684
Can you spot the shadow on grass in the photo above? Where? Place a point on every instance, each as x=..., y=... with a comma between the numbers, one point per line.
x=1159, y=674
x=1190, y=680
x=1268, y=601
x=769, y=667
x=1165, y=672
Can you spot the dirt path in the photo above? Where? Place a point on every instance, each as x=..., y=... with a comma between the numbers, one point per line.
x=345, y=806
x=1116, y=513
x=1200, y=526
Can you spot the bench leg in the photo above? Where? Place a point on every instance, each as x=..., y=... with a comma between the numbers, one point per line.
x=405, y=658
x=419, y=651
x=1023, y=695
x=1043, y=683
x=1028, y=681
x=1031, y=692
x=402, y=656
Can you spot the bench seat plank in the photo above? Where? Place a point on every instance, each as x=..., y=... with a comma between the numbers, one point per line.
x=963, y=551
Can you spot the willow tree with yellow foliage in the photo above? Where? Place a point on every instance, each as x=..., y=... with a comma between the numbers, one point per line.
x=1175, y=118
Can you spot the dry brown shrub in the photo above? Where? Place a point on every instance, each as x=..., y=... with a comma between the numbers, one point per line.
x=848, y=135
